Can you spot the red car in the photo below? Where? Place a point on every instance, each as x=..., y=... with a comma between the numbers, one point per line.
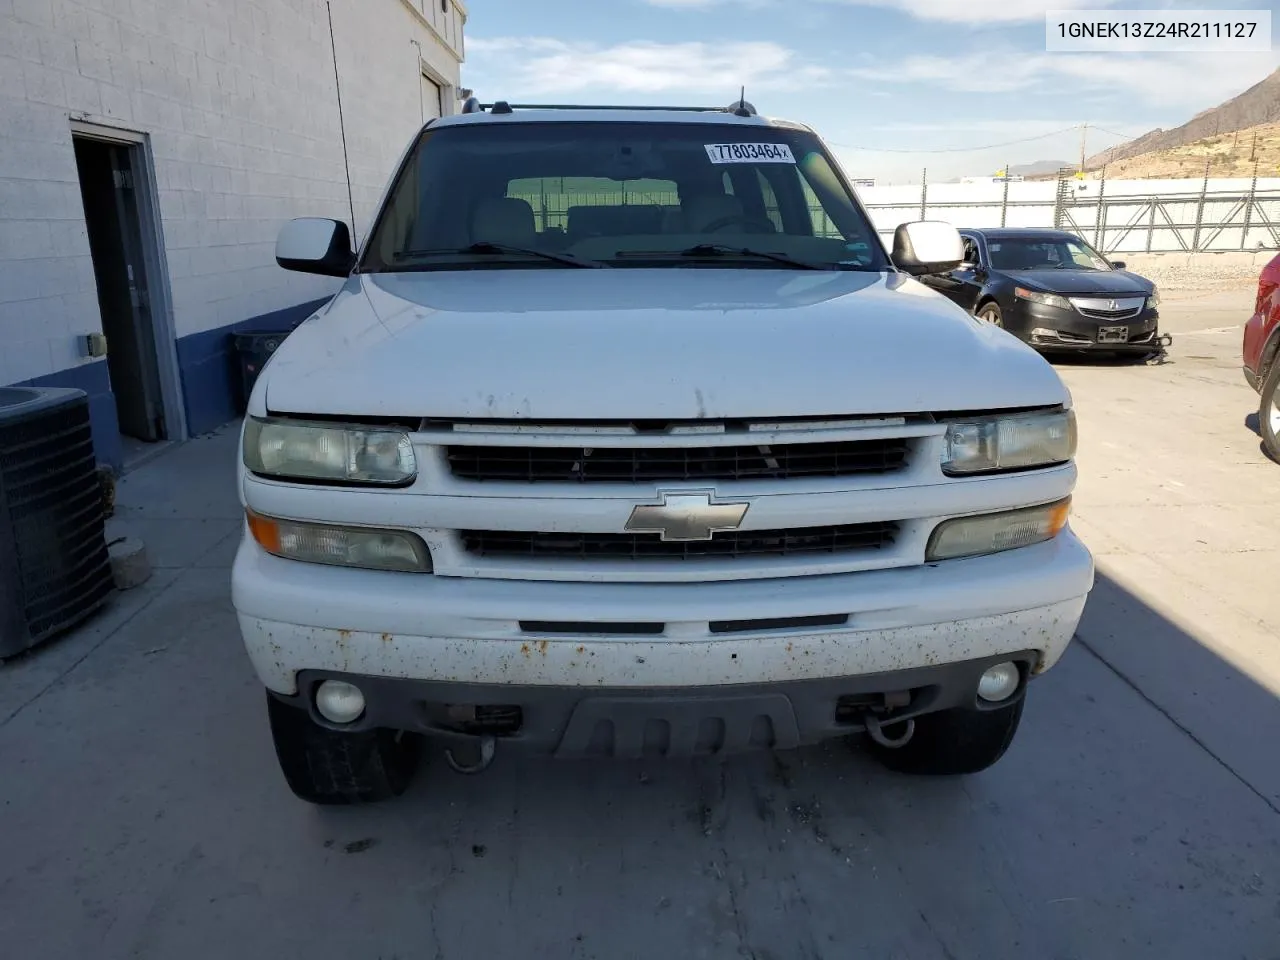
x=1262, y=355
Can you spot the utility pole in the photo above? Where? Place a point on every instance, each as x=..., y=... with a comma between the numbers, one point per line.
x=1084, y=132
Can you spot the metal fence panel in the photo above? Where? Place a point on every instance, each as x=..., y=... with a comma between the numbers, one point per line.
x=1128, y=216
x=1117, y=216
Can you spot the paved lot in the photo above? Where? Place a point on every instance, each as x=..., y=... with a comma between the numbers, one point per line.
x=1137, y=815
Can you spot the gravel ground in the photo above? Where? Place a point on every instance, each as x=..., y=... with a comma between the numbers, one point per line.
x=1181, y=275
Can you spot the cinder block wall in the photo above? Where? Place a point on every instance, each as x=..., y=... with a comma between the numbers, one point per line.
x=239, y=102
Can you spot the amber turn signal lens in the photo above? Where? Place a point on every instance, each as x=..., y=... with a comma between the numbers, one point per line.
x=265, y=531
x=995, y=532
x=362, y=547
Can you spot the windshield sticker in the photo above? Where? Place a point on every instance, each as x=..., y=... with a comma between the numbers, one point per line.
x=750, y=153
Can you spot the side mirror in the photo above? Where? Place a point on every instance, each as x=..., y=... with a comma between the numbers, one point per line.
x=1117, y=265
x=927, y=246
x=315, y=245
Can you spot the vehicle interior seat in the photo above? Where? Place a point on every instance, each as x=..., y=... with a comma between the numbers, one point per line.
x=506, y=220
x=614, y=221
x=672, y=220
x=707, y=210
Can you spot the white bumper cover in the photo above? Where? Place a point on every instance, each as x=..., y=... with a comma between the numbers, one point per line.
x=298, y=616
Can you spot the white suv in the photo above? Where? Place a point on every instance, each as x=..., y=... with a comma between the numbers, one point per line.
x=626, y=437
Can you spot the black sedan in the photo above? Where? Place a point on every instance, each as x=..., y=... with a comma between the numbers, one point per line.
x=1052, y=290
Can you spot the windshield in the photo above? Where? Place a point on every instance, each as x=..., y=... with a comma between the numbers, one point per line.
x=507, y=195
x=1043, y=253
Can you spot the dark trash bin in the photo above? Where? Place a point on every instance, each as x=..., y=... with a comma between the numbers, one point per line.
x=54, y=566
x=253, y=350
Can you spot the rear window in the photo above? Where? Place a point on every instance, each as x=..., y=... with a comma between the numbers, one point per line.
x=626, y=194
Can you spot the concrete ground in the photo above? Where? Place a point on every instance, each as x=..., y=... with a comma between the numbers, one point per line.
x=1137, y=815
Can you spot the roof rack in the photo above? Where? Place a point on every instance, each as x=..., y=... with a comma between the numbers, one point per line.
x=739, y=108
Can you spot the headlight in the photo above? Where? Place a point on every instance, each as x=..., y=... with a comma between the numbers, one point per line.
x=1047, y=299
x=341, y=546
x=318, y=451
x=994, y=532
x=1153, y=301
x=1017, y=442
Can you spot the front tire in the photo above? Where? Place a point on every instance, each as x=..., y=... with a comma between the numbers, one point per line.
x=990, y=313
x=1269, y=411
x=328, y=767
x=956, y=741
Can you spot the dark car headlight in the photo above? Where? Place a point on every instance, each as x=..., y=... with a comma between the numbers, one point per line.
x=1045, y=299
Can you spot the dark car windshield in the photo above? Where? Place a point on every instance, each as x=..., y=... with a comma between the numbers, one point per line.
x=622, y=195
x=1043, y=253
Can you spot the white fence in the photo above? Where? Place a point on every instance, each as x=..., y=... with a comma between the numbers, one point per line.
x=1115, y=215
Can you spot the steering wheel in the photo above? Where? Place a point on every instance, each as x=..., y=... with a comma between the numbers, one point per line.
x=715, y=226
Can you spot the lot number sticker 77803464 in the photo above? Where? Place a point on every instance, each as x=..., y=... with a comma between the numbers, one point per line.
x=750, y=153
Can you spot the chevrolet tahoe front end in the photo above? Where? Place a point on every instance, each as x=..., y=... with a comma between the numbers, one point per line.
x=674, y=504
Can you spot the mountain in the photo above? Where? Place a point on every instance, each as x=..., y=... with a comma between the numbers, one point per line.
x=1227, y=155
x=1260, y=104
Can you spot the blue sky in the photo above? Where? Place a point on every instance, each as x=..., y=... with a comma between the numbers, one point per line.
x=892, y=85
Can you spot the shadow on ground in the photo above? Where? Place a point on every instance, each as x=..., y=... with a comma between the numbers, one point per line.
x=1106, y=360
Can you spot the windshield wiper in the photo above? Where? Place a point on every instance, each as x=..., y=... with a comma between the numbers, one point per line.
x=725, y=250
x=487, y=247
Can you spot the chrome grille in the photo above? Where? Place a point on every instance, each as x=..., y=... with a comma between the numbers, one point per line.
x=1119, y=308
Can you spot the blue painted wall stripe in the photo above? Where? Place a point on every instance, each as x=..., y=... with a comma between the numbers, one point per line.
x=207, y=365
x=211, y=385
x=94, y=380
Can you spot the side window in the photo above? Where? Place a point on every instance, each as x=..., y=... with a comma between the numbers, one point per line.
x=822, y=225
x=970, y=251
x=772, y=209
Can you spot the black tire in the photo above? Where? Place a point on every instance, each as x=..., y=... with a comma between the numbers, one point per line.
x=989, y=312
x=331, y=768
x=957, y=741
x=1269, y=411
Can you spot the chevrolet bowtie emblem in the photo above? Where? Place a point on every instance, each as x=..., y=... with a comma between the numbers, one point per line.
x=686, y=516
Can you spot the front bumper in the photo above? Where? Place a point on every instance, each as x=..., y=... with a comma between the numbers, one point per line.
x=627, y=723
x=1051, y=328
x=495, y=638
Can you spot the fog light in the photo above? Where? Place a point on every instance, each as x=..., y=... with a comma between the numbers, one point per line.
x=999, y=682
x=340, y=702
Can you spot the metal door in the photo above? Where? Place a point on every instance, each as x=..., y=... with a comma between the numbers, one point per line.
x=139, y=408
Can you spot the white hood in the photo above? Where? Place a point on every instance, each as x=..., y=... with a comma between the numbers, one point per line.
x=660, y=344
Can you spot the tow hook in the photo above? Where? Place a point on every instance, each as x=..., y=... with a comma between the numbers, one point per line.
x=876, y=732
x=486, y=749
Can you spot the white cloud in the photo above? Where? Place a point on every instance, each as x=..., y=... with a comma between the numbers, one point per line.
x=1175, y=81
x=1116, y=84
x=980, y=12
x=547, y=65
x=975, y=13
